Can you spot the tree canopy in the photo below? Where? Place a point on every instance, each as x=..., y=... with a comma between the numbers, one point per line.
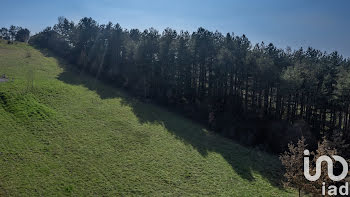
x=15, y=33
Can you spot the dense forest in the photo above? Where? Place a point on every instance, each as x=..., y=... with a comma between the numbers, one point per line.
x=224, y=81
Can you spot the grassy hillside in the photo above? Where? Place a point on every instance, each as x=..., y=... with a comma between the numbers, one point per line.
x=64, y=133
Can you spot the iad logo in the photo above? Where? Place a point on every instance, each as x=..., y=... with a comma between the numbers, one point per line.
x=332, y=189
x=329, y=164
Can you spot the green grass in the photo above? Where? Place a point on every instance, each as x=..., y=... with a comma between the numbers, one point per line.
x=65, y=134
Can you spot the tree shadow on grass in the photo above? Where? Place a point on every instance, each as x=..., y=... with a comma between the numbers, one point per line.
x=74, y=76
x=105, y=91
x=243, y=160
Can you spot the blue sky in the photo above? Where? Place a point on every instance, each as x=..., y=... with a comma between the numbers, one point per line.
x=322, y=24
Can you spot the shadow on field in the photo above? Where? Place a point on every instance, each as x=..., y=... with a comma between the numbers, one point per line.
x=243, y=160
x=73, y=76
x=105, y=91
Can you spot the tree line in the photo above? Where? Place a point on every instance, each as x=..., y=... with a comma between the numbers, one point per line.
x=15, y=33
x=220, y=80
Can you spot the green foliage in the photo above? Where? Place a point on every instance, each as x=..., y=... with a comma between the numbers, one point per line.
x=15, y=33
x=22, y=35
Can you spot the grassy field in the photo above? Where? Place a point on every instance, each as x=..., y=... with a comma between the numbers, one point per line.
x=63, y=133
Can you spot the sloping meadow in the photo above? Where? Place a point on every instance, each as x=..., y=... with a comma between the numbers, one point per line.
x=81, y=137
